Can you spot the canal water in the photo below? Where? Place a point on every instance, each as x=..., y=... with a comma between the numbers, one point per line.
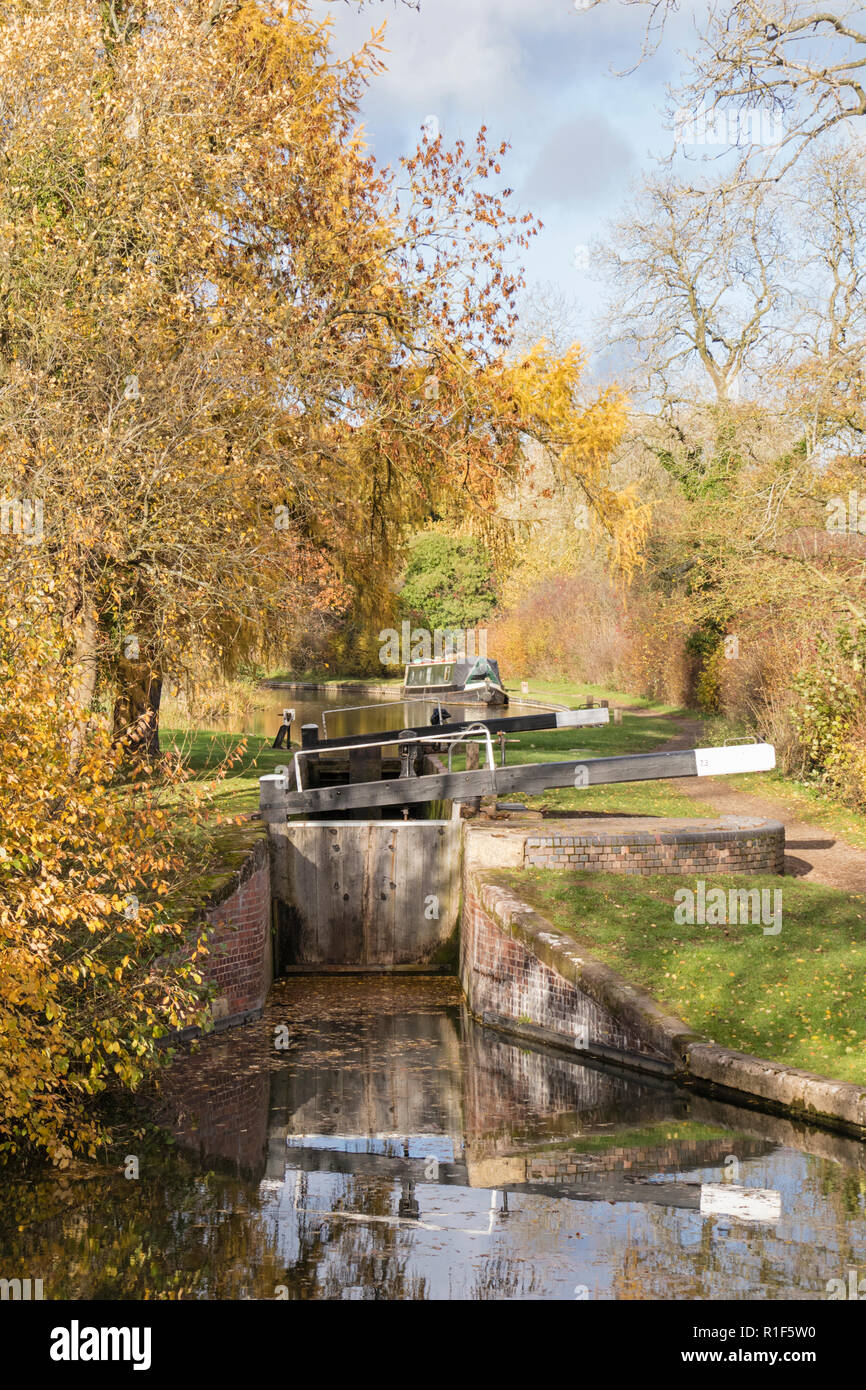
x=340, y=715
x=367, y=1140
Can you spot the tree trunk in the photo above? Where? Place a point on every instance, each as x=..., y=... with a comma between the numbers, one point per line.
x=82, y=619
x=136, y=705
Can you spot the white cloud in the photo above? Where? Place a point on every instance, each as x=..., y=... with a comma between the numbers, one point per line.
x=580, y=160
x=537, y=73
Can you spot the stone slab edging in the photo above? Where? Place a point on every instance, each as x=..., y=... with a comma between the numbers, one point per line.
x=249, y=855
x=721, y=1070
x=332, y=688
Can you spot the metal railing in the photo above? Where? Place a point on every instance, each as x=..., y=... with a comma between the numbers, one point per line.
x=477, y=731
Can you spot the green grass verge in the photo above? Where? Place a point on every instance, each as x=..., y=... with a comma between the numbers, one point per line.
x=636, y=734
x=621, y=799
x=204, y=751
x=575, y=694
x=795, y=998
x=808, y=803
x=558, y=691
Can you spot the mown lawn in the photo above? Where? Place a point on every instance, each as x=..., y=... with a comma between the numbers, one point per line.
x=575, y=694
x=636, y=734
x=204, y=752
x=558, y=691
x=621, y=799
x=796, y=997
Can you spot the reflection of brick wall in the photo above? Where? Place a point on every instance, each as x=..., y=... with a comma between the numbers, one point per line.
x=223, y=1119
x=239, y=960
x=507, y=1085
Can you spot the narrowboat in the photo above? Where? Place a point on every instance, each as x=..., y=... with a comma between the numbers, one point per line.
x=470, y=677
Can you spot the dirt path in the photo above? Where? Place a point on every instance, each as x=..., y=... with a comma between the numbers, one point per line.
x=811, y=851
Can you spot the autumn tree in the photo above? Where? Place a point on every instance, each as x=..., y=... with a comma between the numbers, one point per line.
x=793, y=60
x=217, y=319
x=100, y=957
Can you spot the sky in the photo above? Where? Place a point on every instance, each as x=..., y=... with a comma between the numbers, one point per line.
x=540, y=74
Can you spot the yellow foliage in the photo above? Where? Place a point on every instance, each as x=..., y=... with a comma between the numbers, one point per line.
x=577, y=439
x=94, y=968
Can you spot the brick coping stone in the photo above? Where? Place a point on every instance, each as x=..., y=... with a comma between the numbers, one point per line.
x=719, y=1070
x=647, y=830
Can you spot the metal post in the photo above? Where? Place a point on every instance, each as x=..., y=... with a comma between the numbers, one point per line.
x=407, y=753
x=309, y=740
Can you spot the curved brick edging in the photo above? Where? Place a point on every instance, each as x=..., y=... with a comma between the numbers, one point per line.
x=514, y=962
x=634, y=845
x=524, y=969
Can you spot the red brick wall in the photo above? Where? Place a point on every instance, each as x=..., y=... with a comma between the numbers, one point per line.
x=239, y=960
x=502, y=977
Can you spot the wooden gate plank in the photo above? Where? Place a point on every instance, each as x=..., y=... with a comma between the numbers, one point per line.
x=528, y=778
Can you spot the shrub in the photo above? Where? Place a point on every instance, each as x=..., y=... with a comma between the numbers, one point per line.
x=826, y=715
x=571, y=625
x=656, y=663
x=95, y=968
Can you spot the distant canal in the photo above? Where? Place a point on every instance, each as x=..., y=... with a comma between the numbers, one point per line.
x=342, y=717
x=367, y=1140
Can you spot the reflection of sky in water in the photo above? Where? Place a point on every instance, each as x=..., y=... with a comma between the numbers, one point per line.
x=544, y=1248
x=465, y=1243
x=300, y=1172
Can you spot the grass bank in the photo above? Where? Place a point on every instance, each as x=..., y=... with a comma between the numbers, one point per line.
x=802, y=800
x=638, y=733
x=795, y=998
x=576, y=693
x=204, y=752
x=807, y=802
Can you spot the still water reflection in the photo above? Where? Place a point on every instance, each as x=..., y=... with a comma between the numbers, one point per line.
x=341, y=715
x=393, y=1149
